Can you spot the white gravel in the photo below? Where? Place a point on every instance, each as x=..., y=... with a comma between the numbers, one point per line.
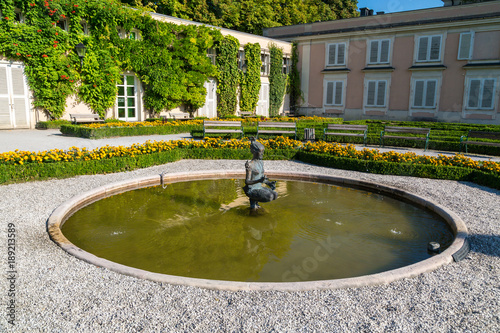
x=56, y=292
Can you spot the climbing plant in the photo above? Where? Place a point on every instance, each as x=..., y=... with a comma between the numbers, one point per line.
x=294, y=81
x=277, y=81
x=227, y=65
x=250, y=78
x=169, y=60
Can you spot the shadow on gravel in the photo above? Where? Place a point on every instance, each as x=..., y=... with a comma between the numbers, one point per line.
x=481, y=187
x=486, y=244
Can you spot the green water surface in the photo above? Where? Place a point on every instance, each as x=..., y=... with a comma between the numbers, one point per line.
x=204, y=229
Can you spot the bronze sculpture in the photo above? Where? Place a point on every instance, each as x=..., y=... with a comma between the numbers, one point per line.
x=255, y=178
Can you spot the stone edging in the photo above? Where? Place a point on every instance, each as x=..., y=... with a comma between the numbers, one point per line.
x=64, y=211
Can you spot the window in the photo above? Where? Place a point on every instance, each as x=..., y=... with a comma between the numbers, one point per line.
x=429, y=48
x=424, y=93
x=286, y=65
x=121, y=32
x=465, y=47
x=379, y=51
x=375, y=95
x=266, y=64
x=334, y=93
x=19, y=16
x=211, y=55
x=481, y=93
x=63, y=24
x=85, y=27
x=241, y=60
x=336, y=54
x=134, y=34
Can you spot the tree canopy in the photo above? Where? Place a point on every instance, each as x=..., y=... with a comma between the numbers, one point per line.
x=252, y=15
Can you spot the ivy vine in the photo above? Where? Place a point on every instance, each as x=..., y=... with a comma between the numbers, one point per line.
x=227, y=65
x=277, y=81
x=250, y=78
x=294, y=81
x=169, y=60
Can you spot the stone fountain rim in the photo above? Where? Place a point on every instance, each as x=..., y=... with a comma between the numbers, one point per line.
x=68, y=208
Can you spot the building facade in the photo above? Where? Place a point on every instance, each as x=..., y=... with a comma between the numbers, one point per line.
x=439, y=64
x=16, y=109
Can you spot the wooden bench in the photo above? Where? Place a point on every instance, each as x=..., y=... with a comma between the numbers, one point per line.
x=276, y=128
x=247, y=114
x=77, y=118
x=465, y=139
x=346, y=130
x=228, y=127
x=406, y=130
x=176, y=116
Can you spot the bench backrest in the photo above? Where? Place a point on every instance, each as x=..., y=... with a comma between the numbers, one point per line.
x=208, y=123
x=484, y=135
x=347, y=127
x=277, y=124
x=413, y=130
x=87, y=116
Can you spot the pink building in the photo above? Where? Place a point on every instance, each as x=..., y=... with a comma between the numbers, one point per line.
x=439, y=64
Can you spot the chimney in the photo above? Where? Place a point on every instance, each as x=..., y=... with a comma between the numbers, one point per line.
x=364, y=11
x=380, y=13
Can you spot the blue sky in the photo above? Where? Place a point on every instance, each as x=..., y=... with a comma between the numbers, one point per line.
x=392, y=6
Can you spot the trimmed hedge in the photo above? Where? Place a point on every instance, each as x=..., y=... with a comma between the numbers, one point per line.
x=402, y=169
x=106, y=132
x=53, y=124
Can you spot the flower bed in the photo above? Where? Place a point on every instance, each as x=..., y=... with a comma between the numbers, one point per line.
x=24, y=165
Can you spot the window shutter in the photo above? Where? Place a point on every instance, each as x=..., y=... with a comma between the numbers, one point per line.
x=370, y=100
x=422, y=48
x=384, y=51
x=341, y=54
x=332, y=51
x=430, y=94
x=381, y=93
x=418, y=98
x=487, y=97
x=338, y=92
x=435, y=48
x=465, y=45
x=374, y=51
x=474, y=87
x=329, y=93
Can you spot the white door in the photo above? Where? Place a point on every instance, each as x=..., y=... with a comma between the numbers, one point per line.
x=127, y=99
x=14, y=97
x=263, y=104
x=210, y=108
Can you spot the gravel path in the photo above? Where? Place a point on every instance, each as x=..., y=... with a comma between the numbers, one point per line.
x=56, y=292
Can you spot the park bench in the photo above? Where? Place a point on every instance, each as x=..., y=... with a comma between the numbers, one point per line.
x=465, y=139
x=276, y=128
x=176, y=116
x=222, y=127
x=346, y=130
x=77, y=118
x=247, y=114
x=400, y=131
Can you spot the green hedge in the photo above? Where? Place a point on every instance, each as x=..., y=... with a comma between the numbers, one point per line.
x=402, y=169
x=106, y=132
x=52, y=124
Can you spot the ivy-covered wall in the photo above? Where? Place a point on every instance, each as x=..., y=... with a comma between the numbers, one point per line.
x=170, y=60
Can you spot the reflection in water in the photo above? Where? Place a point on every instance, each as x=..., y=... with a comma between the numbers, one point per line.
x=204, y=229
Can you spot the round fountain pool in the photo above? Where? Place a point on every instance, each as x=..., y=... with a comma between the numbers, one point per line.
x=321, y=232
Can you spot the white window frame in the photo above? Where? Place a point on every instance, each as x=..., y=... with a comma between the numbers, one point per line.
x=286, y=64
x=419, y=39
x=479, y=106
x=265, y=68
x=461, y=44
x=241, y=60
x=425, y=90
x=334, y=84
x=379, y=51
x=336, y=62
x=136, y=32
x=22, y=16
x=65, y=24
x=376, y=92
x=85, y=27
x=212, y=55
x=121, y=32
